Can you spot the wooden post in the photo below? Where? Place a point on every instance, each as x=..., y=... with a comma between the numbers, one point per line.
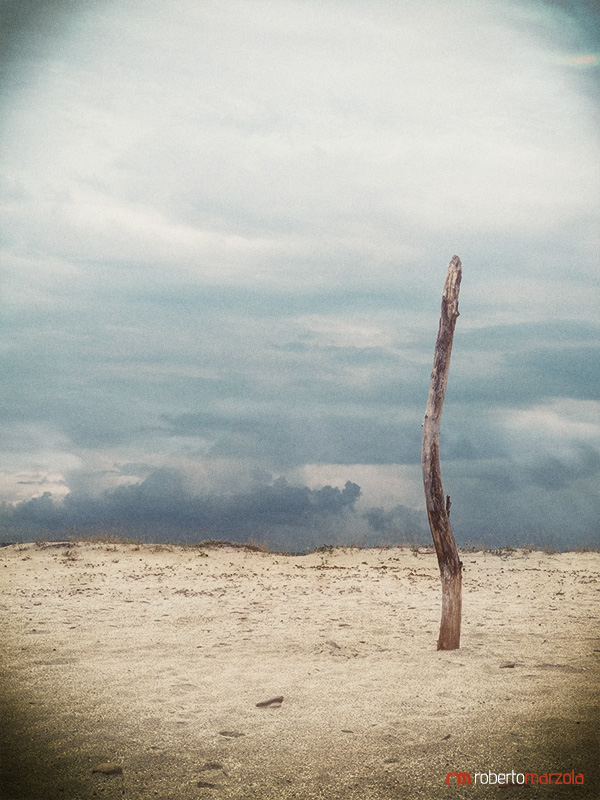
x=438, y=507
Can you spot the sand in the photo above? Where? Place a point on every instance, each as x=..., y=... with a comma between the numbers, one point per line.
x=153, y=659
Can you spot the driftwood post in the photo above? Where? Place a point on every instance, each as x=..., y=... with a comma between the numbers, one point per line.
x=438, y=509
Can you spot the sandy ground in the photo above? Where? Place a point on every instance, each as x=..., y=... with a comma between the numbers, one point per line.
x=154, y=658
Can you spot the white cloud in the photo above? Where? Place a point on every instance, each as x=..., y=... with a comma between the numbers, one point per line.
x=233, y=136
x=384, y=485
x=341, y=332
x=559, y=423
x=18, y=486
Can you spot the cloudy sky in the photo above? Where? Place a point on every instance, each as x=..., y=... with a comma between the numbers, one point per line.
x=225, y=230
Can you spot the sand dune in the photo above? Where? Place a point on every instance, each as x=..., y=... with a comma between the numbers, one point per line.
x=155, y=658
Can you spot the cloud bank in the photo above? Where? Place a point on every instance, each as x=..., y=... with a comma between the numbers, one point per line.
x=163, y=507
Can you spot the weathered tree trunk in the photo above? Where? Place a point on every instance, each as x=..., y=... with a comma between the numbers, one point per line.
x=438, y=508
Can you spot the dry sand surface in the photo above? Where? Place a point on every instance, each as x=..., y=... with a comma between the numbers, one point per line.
x=154, y=658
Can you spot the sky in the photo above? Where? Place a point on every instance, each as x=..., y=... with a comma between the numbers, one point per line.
x=225, y=228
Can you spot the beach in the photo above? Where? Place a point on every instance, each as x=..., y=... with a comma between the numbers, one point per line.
x=169, y=663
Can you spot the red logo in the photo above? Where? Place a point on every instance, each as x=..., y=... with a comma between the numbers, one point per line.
x=462, y=778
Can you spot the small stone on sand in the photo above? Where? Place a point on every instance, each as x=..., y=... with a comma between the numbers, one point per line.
x=108, y=769
x=274, y=701
x=211, y=765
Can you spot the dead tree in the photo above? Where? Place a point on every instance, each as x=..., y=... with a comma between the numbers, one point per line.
x=438, y=508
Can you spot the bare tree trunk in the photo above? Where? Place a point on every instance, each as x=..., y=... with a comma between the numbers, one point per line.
x=438, y=508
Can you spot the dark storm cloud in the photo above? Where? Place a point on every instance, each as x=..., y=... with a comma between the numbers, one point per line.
x=584, y=19
x=523, y=364
x=520, y=509
x=294, y=439
x=31, y=31
x=550, y=373
x=554, y=472
x=529, y=335
x=398, y=524
x=163, y=505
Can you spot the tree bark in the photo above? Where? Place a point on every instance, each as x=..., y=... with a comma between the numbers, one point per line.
x=438, y=507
